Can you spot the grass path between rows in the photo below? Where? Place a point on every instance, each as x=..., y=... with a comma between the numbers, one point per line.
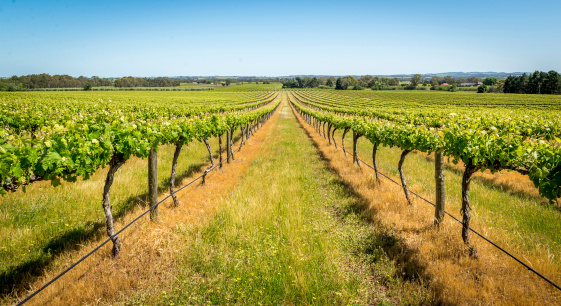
x=291, y=233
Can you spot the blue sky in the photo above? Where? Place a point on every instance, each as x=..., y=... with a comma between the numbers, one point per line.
x=263, y=38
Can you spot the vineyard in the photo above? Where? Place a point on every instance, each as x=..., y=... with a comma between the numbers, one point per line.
x=481, y=139
x=68, y=138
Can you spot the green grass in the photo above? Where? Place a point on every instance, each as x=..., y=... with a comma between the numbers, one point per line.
x=290, y=233
x=44, y=221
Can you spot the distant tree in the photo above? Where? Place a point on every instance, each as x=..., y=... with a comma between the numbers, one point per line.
x=434, y=81
x=373, y=82
x=300, y=82
x=365, y=80
x=482, y=88
x=339, y=85
x=88, y=86
x=228, y=82
x=490, y=81
x=290, y=83
x=535, y=82
x=553, y=83
x=473, y=80
x=415, y=80
x=516, y=84
x=449, y=79
x=393, y=82
x=313, y=83
x=500, y=85
x=329, y=82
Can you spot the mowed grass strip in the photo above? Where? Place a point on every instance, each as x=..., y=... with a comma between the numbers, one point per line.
x=290, y=233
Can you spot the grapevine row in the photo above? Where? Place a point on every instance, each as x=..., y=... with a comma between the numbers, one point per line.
x=478, y=150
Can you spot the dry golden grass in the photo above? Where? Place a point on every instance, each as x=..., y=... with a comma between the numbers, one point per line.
x=439, y=255
x=149, y=249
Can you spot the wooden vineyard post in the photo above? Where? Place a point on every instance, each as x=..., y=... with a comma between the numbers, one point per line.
x=440, y=191
x=356, y=136
x=153, y=183
x=375, y=162
x=228, y=146
x=220, y=149
x=329, y=132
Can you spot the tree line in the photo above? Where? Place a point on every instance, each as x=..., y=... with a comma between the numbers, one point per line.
x=538, y=82
x=44, y=80
x=145, y=82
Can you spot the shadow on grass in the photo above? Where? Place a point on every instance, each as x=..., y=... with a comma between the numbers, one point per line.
x=381, y=242
x=18, y=278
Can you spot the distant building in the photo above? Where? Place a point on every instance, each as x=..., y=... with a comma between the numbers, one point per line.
x=470, y=84
x=445, y=84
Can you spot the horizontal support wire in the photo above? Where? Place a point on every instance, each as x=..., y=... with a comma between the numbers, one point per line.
x=472, y=230
x=121, y=230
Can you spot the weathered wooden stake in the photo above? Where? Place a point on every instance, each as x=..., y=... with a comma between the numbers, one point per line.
x=329, y=132
x=231, y=148
x=466, y=208
x=356, y=136
x=228, y=146
x=153, y=183
x=220, y=149
x=440, y=191
x=375, y=162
